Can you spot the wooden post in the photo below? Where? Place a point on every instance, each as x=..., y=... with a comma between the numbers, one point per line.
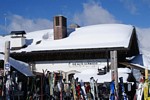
x=116, y=71
x=146, y=85
x=107, y=69
x=146, y=74
x=6, y=57
x=6, y=64
x=112, y=65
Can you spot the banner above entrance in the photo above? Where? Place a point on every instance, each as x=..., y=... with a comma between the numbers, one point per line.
x=69, y=65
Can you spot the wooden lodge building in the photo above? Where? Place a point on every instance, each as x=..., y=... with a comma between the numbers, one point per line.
x=76, y=50
x=74, y=54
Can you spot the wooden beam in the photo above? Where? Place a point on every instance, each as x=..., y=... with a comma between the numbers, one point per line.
x=132, y=66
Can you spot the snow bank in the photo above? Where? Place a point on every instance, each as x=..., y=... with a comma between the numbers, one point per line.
x=87, y=74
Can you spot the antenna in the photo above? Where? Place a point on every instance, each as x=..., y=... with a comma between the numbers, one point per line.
x=5, y=18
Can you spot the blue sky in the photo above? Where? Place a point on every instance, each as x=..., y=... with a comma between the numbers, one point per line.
x=33, y=15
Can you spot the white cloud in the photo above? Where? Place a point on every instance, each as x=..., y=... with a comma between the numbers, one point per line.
x=18, y=22
x=131, y=6
x=93, y=13
x=143, y=39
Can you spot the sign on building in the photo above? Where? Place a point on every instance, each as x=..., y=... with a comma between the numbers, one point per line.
x=7, y=67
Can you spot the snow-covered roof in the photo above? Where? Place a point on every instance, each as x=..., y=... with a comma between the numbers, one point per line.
x=142, y=61
x=19, y=65
x=94, y=36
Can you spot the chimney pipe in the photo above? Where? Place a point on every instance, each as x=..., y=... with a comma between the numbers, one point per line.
x=60, y=27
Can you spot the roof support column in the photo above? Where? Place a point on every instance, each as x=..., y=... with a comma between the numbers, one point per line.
x=7, y=70
x=114, y=69
x=6, y=57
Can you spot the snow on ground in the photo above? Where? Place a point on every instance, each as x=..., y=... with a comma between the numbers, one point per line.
x=88, y=73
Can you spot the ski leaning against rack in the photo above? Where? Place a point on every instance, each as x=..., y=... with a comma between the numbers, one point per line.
x=140, y=91
x=46, y=85
x=43, y=82
x=78, y=89
x=14, y=84
x=112, y=90
x=96, y=87
x=54, y=84
x=92, y=87
x=50, y=80
x=123, y=96
x=83, y=89
x=60, y=85
x=51, y=84
x=28, y=96
x=73, y=88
